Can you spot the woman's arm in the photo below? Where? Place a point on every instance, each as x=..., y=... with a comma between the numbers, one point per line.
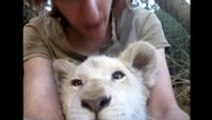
x=163, y=105
x=40, y=96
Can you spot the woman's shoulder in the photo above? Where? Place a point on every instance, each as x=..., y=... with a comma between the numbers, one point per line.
x=137, y=14
x=41, y=22
x=35, y=21
x=133, y=16
x=141, y=11
x=45, y=25
x=136, y=19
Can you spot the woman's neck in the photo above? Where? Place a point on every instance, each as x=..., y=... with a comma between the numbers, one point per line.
x=87, y=46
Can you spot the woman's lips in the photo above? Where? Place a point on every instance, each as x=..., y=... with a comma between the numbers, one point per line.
x=92, y=26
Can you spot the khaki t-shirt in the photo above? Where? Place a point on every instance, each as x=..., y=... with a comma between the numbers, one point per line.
x=44, y=36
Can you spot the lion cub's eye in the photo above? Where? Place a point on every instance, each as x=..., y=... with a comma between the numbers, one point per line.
x=117, y=75
x=76, y=82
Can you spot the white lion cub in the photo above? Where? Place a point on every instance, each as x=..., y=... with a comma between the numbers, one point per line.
x=108, y=88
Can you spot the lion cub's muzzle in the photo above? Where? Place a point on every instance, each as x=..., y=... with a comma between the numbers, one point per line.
x=95, y=96
x=97, y=104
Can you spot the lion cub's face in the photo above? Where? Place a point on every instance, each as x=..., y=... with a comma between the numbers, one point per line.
x=106, y=88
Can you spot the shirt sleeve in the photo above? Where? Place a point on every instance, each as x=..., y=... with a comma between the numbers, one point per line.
x=33, y=41
x=152, y=32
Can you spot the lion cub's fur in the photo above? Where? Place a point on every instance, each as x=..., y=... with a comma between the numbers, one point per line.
x=98, y=82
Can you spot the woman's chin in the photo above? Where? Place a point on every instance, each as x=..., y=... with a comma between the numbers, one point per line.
x=95, y=35
x=98, y=32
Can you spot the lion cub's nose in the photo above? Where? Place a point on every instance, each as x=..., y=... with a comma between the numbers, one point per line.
x=96, y=105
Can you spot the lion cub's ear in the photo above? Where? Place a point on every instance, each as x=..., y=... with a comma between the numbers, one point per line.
x=142, y=56
x=61, y=68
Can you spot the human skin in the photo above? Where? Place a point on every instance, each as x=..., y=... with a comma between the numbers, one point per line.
x=162, y=102
x=88, y=18
x=41, y=100
x=88, y=27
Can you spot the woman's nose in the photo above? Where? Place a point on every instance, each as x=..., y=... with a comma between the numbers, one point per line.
x=90, y=11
